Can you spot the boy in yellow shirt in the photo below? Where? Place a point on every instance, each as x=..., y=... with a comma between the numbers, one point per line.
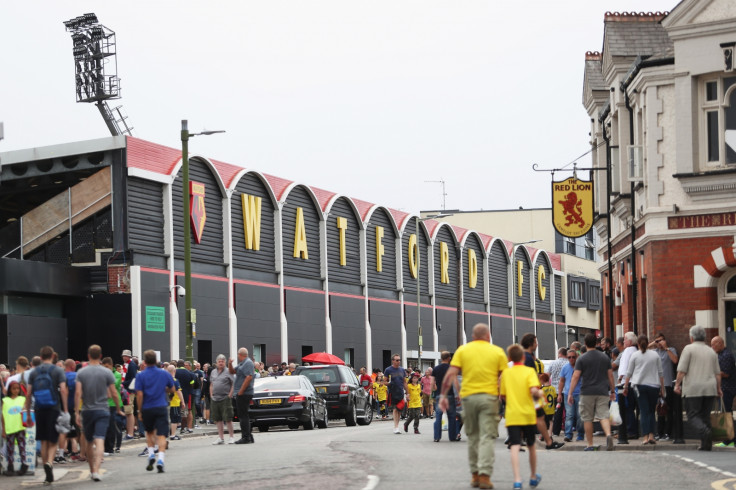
x=550, y=398
x=521, y=390
x=414, y=390
x=381, y=394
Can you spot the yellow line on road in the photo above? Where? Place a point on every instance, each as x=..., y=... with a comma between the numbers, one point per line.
x=728, y=484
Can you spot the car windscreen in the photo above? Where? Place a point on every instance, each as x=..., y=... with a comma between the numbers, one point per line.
x=321, y=375
x=277, y=383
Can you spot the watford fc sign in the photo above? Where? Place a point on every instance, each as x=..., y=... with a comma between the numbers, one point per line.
x=572, y=207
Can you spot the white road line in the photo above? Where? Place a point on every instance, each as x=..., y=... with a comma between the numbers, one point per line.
x=713, y=468
x=372, y=482
x=728, y=473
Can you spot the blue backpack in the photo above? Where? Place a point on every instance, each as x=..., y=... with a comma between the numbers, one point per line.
x=44, y=388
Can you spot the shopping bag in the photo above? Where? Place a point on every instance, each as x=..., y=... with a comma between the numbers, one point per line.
x=721, y=423
x=615, y=415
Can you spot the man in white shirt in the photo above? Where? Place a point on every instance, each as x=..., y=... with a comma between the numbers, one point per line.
x=629, y=426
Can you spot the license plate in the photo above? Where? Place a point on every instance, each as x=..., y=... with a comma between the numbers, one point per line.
x=321, y=389
x=270, y=401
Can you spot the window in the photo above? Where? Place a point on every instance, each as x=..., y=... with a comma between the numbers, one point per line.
x=259, y=352
x=718, y=123
x=570, y=245
x=576, y=291
x=594, y=295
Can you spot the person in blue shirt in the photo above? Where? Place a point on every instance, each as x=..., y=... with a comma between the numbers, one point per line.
x=152, y=386
x=572, y=416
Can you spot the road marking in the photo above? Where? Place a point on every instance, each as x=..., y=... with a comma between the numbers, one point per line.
x=724, y=484
x=372, y=482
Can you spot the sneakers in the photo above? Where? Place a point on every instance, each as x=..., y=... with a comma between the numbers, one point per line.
x=591, y=448
x=218, y=442
x=126, y=437
x=49, y=473
x=23, y=469
x=231, y=441
x=160, y=466
x=567, y=439
x=59, y=460
x=416, y=431
x=517, y=485
x=175, y=438
x=95, y=477
x=406, y=427
x=143, y=453
x=196, y=426
x=555, y=445
x=396, y=430
x=723, y=444
x=149, y=467
x=609, y=443
x=107, y=454
x=535, y=481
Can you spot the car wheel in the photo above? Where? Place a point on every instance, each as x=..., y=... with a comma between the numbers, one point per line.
x=263, y=428
x=322, y=424
x=309, y=424
x=351, y=418
x=367, y=414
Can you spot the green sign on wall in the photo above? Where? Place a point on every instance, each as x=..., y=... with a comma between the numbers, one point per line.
x=155, y=319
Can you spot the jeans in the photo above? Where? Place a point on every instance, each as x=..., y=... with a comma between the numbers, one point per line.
x=197, y=399
x=633, y=423
x=647, y=405
x=451, y=420
x=664, y=424
x=114, y=436
x=572, y=416
x=622, y=404
x=243, y=402
x=480, y=414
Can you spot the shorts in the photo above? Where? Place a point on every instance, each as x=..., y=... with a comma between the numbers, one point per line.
x=426, y=400
x=95, y=423
x=156, y=419
x=221, y=411
x=594, y=407
x=540, y=412
x=516, y=432
x=128, y=409
x=187, y=403
x=46, y=424
x=207, y=402
x=174, y=415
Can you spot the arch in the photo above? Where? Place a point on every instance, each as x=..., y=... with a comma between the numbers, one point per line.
x=444, y=237
x=542, y=285
x=353, y=207
x=410, y=282
x=383, y=281
x=374, y=209
x=343, y=242
x=472, y=241
x=261, y=176
x=180, y=163
x=300, y=212
x=498, y=273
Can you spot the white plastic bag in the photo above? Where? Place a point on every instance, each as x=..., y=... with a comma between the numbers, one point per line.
x=615, y=415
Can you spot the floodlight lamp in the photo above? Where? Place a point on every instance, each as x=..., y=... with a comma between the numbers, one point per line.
x=90, y=18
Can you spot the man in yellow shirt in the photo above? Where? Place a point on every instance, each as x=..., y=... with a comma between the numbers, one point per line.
x=481, y=364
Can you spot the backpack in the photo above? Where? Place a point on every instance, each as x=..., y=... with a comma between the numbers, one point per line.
x=44, y=389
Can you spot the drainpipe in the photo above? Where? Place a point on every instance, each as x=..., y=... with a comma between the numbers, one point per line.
x=607, y=139
x=634, y=281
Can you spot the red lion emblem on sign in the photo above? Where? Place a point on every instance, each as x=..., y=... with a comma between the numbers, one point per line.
x=572, y=209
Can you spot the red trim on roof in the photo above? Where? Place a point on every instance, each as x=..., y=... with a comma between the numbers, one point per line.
x=459, y=233
x=431, y=225
x=227, y=171
x=555, y=260
x=278, y=185
x=399, y=217
x=323, y=197
x=486, y=239
x=149, y=156
x=363, y=207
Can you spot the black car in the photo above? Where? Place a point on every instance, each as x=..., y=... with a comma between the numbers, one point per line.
x=286, y=400
x=340, y=388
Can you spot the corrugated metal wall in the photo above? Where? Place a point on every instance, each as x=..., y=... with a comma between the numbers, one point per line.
x=522, y=302
x=210, y=249
x=410, y=283
x=445, y=290
x=558, y=297
x=263, y=259
x=499, y=284
x=350, y=272
x=385, y=279
x=543, y=305
x=146, y=216
x=299, y=198
x=474, y=295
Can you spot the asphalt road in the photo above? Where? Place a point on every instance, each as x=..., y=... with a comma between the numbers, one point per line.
x=373, y=457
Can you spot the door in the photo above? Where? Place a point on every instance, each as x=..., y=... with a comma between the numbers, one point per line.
x=204, y=351
x=731, y=324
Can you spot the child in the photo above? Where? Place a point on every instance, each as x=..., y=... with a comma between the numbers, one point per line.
x=550, y=399
x=520, y=389
x=414, y=390
x=13, y=430
x=381, y=393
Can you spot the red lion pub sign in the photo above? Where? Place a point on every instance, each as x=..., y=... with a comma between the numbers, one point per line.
x=572, y=207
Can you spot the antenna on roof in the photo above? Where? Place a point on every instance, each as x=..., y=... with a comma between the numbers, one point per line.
x=444, y=194
x=96, y=66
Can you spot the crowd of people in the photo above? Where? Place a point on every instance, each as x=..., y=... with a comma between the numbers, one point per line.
x=83, y=411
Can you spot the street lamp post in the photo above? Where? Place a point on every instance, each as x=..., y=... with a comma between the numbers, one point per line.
x=190, y=315
x=419, y=307
x=515, y=293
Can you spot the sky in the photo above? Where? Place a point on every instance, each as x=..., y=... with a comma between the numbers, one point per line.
x=375, y=100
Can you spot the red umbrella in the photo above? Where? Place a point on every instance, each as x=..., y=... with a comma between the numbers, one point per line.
x=322, y=358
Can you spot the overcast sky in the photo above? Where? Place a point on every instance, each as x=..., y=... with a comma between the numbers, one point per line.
x=367, y=99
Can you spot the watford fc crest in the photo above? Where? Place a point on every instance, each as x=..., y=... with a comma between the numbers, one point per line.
x=196, y=209
x=572, y=207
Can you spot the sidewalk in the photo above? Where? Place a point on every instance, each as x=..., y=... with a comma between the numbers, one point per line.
x=633, y=445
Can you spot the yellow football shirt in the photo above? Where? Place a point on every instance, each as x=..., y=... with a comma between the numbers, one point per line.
x=480, y=363
x=415, y=395
x=381, y=391
x=515, y=385
x=550, y=397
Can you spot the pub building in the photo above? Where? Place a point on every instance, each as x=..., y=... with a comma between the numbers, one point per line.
x=661, y=98
x=92, y=251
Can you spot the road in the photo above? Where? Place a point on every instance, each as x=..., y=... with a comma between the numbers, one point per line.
x=373, y=457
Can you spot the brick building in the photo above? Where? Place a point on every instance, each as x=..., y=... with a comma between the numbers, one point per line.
x=661, y=96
